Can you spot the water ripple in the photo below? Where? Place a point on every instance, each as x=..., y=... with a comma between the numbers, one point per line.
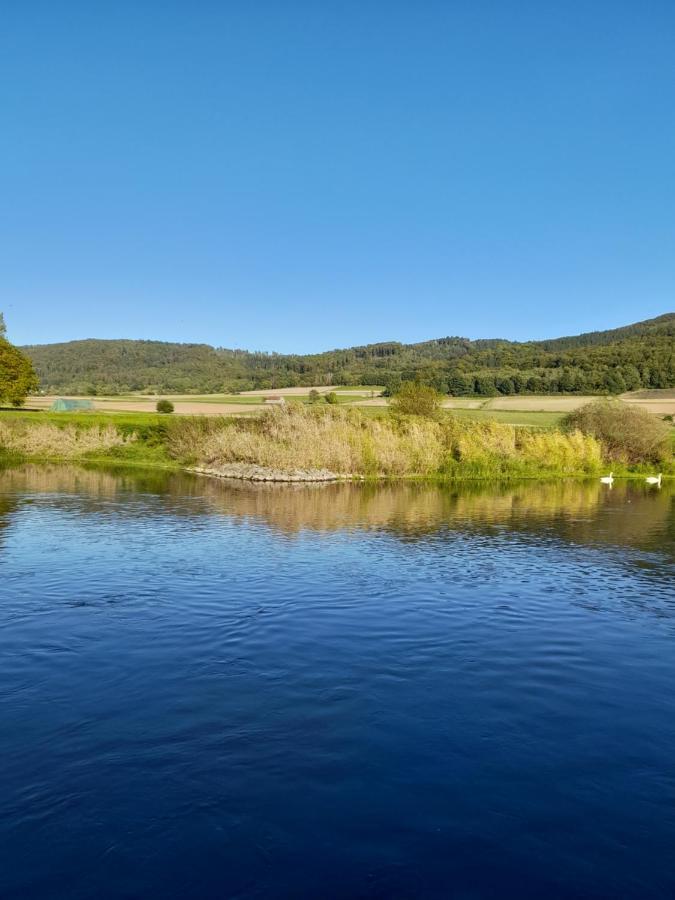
x=398, y=691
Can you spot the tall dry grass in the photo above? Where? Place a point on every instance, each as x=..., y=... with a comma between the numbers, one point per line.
x=339, y=440
x=345, y=442
x=304, y=438
x=51, y=441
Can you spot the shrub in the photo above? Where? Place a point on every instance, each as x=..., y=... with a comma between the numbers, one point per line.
x=491, y=449
x=314, y=396
x=331, y=397
x=416, y=399
x=553, y=450
x=164, y=406
x=627, y=433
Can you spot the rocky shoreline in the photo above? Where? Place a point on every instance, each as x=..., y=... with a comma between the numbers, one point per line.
x=248, y=472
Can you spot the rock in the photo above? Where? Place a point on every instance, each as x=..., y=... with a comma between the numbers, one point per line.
x=249, y=472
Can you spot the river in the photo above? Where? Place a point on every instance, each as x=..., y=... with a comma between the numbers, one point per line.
x=217, y=690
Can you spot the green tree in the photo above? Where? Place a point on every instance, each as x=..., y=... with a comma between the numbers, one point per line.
x=164, y=406
x=567, y=381
x=459, y=384
x=505, y=385
x=615, y=382
x=485, y=385
x=632, y=378
x=17, y=375
x=415, y=399
x=331, y=397
x=518, y=383
x=392, y=385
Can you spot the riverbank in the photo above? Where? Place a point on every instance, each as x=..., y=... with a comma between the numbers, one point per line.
x=296, y=443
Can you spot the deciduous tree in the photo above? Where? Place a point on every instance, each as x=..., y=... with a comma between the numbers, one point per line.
x=17, y=375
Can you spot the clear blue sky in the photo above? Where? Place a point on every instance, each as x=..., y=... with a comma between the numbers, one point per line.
x=304, y=175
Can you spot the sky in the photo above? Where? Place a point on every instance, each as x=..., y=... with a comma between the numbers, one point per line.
x=298, y=176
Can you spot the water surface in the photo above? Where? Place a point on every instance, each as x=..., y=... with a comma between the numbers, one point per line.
x=217, y=690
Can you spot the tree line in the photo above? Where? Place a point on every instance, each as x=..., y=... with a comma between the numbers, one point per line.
x=610, y=362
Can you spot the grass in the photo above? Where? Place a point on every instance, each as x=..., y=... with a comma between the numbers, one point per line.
x=249, y=400
x=503, y=416
x=377, y=388
x=129, y=438
x=543, y=411
x=343, y=441
x=82, y=418
x=367, y=442
x=510, y=417
x=213, y=398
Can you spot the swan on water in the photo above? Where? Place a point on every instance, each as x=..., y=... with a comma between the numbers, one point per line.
x=653, y=479
x=608, y=479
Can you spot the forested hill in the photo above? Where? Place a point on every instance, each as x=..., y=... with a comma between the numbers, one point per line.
x=636, y=356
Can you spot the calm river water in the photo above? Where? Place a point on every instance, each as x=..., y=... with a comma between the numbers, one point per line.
x=215, y=690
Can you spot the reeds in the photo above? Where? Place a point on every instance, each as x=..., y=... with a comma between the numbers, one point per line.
x=53, y=442
x=345, y=442
x=306, y=439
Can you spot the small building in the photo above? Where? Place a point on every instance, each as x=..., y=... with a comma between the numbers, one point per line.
x=274, y=401
x=64, y=405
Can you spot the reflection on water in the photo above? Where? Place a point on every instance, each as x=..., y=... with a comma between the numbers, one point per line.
x=213, y=689
x=583, y=511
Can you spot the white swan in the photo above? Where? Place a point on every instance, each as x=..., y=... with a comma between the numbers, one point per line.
x=652, y=479
x=608, y=479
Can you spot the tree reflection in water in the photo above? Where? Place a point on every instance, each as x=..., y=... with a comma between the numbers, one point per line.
x=579, y=512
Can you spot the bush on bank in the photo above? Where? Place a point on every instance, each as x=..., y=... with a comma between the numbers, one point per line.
x=628, y=435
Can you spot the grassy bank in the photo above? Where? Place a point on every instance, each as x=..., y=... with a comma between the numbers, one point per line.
x=345, y=442
x=297, y=438
x=135, y=439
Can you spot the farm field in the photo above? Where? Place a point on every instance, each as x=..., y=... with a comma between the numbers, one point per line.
x=96, y=417
x=661, y=394
x=207, y=406
x=510, y=416
x=357, y=391
x=663, y=407
x=544, y=411
x=545, y=403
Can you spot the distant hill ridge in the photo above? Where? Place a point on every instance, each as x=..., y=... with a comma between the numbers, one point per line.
x=627, y=358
